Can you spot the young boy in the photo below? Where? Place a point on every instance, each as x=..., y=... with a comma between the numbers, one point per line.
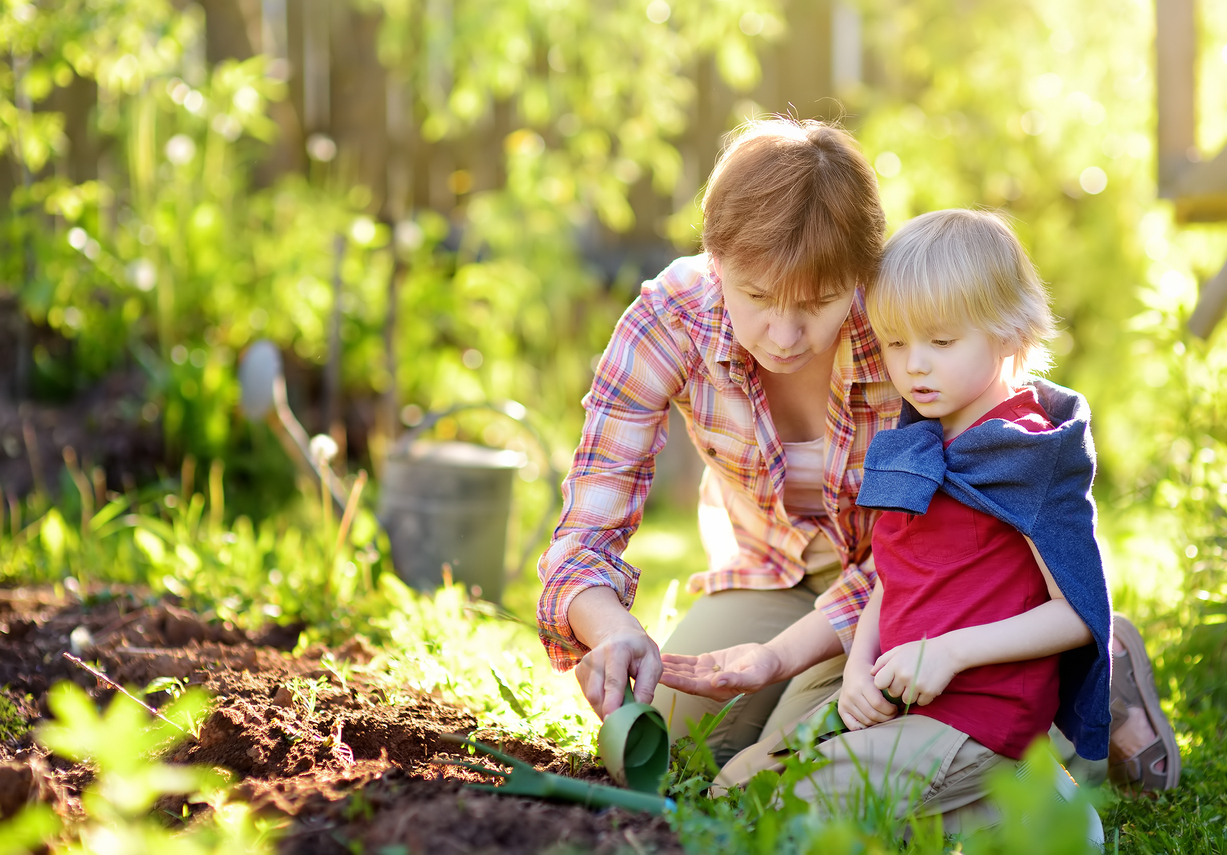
x=990, y=616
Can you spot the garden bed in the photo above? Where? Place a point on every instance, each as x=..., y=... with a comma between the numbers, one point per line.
x=350, y=763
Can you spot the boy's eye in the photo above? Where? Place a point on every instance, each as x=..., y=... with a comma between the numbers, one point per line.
x=943, y=342
x=894, y=344
x=757, y=298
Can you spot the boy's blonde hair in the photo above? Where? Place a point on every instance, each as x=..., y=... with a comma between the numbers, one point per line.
x=947, y=269
x=795, y=204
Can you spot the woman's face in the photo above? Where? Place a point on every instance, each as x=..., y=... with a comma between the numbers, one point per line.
x=782, y=339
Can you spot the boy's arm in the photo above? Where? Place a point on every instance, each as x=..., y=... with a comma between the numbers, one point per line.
x=920, y=671
x=860, y=702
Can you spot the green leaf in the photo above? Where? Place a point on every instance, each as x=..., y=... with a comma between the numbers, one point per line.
x=150, y=544
x=109, y=512
x=54, y=534
x=26, y=832
x=509, y=696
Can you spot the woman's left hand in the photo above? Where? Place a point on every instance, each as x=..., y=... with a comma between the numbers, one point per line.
x=721, y=674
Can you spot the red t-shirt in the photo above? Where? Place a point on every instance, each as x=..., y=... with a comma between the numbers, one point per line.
x=954, y=567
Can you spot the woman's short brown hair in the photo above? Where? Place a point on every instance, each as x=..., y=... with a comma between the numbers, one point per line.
x=795, y=203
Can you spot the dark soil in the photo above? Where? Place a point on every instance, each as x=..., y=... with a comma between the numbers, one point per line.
x=111, y=426
x=381, y=784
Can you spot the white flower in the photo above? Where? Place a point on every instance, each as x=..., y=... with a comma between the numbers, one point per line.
x=323, y=447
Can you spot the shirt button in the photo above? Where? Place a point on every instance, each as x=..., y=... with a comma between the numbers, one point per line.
x=711, y=452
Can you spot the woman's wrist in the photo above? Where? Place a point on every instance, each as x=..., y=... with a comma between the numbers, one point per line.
x=596, y=613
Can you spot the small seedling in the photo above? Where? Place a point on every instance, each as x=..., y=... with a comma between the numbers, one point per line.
x=13, y=724
x=306, y=693
x=173, y=686
x=339, y=668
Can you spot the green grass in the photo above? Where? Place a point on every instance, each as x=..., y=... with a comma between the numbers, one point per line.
x=491, y=662
x=1192, y=673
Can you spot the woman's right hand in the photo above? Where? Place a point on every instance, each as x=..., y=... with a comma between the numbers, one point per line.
x=605, y=669
x=722, y=674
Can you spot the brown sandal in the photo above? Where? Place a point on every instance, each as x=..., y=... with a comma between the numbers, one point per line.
x=1133, y=686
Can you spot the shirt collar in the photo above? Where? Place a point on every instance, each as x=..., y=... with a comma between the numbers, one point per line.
x=859, y=359
x=726, y=351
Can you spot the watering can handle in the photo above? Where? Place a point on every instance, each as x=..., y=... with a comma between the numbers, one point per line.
x=518, y=413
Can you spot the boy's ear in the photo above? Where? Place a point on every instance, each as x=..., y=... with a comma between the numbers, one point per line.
x=718, y=267
x=1011, y=350
x=1010, y=347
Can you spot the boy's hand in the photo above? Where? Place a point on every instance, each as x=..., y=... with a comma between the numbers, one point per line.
x=861, y=703
x=916, y=672
x=721, y=674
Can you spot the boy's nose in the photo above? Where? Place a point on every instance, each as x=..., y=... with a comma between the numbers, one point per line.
x=916, y=362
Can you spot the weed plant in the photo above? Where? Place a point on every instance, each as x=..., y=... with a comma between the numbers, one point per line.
x=122, y=745
x=297, y=567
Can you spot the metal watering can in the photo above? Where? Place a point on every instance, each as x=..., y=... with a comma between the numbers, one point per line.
x=441, y=504
x=448, y=504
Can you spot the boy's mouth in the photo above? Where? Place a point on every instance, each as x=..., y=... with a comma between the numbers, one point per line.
x=923, y=394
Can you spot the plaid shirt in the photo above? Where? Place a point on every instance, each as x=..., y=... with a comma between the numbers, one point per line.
x=675, y=345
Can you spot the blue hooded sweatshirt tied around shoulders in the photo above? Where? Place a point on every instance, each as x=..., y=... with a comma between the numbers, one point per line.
x=1039, y=483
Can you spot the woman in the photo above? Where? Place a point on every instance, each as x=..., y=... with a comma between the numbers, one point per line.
x=763, y=344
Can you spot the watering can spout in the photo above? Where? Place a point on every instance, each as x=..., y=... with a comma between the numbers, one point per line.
x=263, y=398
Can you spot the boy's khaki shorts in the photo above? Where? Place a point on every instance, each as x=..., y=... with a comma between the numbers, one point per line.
x=920, y=763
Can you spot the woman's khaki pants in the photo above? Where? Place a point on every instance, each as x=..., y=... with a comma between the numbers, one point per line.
x=734, y=617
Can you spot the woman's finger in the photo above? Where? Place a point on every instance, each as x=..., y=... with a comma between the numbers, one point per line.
x=591, y=679
x=617, y=670
x=679, y=661
x=647, y=675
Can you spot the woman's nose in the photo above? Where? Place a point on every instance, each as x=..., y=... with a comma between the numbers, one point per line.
x=785, y=331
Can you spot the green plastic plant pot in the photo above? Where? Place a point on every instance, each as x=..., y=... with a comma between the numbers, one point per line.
x=634, y=745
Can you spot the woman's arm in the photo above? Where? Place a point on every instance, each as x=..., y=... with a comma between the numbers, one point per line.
x=724, y=673
x=587, y=588
x=618, y=647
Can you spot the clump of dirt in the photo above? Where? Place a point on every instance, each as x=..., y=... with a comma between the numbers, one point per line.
x=350, y=770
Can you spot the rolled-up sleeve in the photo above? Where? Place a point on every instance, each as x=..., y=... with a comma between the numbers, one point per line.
x=603, y=495
x=843, y=602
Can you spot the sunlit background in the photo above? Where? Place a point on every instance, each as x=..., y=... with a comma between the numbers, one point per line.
x=423, y=203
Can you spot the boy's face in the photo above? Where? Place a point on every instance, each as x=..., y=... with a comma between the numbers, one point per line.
x=782, y=340
x=955, y=376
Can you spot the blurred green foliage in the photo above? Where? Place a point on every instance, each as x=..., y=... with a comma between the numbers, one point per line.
x=123, y=748
x=1045, y=110
x=173, y=258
